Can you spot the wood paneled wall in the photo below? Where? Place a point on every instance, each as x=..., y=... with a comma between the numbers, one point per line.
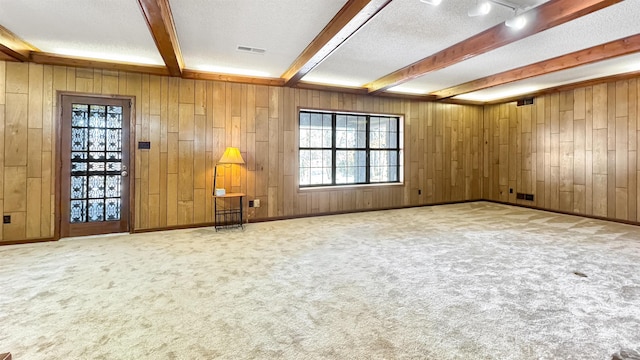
x=189, y=123
x=575, y=150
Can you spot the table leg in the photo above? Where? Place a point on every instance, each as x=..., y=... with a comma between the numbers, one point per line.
x=241, y=214
x=215, y=213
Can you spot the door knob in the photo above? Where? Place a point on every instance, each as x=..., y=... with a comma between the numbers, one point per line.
x=124, y=174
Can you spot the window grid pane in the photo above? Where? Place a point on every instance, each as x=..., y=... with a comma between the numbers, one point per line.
x=384, y=166
x=315, y=167
x=315, y=160
x=350, y=165
x=351, y=132
x=383, y=133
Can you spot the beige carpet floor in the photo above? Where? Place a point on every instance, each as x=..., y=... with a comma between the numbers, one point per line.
x=464, y=281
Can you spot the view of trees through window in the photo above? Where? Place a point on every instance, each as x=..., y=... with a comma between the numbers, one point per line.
x=342, y=149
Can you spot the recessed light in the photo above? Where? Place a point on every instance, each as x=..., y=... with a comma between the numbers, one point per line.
x=432, y=2
x=106, y=56
x=407, y=90
x=232, y=70
x=633, y=67
x=491, y=94
x=330, y=81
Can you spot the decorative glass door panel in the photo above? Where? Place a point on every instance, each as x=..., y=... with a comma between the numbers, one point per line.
x=95, y=165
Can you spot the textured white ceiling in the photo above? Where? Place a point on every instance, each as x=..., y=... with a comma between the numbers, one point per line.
x=402, y=33
x=548, y=44
x=106, y=29
x=209, y=31
x=624, y=64
x=405, y=31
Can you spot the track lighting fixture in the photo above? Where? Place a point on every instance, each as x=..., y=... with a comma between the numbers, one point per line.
x=481, y=8
x=518, y=22
x=484, y=7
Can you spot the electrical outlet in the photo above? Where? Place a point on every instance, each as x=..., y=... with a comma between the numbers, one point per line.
x=256, y=203
x=6, y=219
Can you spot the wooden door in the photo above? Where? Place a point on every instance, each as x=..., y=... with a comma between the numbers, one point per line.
x=94, y=176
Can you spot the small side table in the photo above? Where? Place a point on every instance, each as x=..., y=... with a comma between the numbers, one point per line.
x=228, y=216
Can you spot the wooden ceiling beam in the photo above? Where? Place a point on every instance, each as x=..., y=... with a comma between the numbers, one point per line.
x=53, y=59
x=353, y=16
x=547, y=15
x=616, y=48
x=157, y=14
x=198, y=75
x=12, y=47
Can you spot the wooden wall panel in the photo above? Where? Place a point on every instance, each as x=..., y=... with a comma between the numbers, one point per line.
x=586, y=151
x=16, y=130
x=3, y=83
x=190, y=123
x=17, y=78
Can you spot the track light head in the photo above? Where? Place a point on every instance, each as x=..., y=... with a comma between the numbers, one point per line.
x=432, y=2
x=481, y=8
x=518, y=22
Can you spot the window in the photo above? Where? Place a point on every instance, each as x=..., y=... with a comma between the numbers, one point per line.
x=347, y=149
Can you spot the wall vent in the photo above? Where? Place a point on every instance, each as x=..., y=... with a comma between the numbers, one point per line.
x=250, y=49
x=525, y=101
x=523, y=196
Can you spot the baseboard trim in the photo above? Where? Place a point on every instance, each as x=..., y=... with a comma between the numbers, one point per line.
x=26, y=241
x=595, y=217
x=289, y=217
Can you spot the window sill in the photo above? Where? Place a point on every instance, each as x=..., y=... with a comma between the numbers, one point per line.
x=346, y=187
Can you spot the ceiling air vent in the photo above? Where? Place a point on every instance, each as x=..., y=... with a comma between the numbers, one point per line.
x=250, y=49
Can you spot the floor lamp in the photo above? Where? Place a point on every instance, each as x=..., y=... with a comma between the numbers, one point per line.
x=231, y=156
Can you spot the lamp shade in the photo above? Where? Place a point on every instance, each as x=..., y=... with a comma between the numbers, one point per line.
x=231, y=156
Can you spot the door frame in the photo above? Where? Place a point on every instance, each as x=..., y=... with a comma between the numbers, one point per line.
x=58, y=156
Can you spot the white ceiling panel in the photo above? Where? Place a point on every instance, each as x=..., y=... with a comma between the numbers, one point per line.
x=621, y=65
x=209, y=32
x=404, y=32
x=275, y=32
x=102, y=29
x=587, y=31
